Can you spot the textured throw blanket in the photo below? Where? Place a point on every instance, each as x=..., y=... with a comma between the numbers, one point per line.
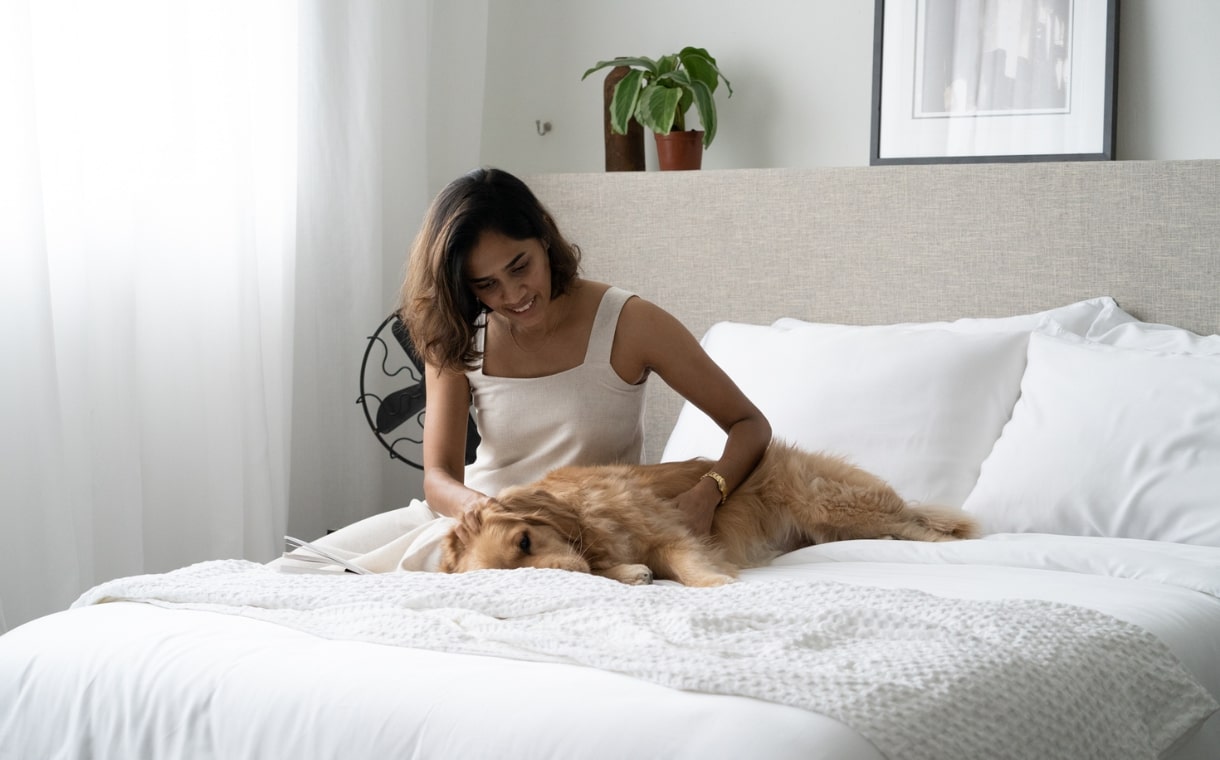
x=918, y=675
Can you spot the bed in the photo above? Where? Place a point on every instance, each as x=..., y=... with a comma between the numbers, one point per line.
x=1035, y=343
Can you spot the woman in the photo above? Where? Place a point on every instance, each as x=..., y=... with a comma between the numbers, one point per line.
x=553, y=364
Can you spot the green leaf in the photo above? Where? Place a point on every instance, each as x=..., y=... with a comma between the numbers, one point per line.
x=688, y=50
x=622, y=103
x=703, y=67
x=667, y=63
x=681, y=80
x=701, y=70
x=707, y=110
x=657, y=106
x=642, y=62
x=677, y=78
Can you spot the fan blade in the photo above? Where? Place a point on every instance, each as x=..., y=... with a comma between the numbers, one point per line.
x=400, y=406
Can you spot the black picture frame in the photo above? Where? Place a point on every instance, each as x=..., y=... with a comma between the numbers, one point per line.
x=946, y=91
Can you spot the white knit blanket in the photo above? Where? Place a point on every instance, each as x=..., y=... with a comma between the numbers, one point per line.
x=918, y=675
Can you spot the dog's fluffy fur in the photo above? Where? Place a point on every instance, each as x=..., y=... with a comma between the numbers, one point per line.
x=619, y=521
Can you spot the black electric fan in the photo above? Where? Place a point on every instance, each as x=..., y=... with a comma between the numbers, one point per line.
x=392, y=395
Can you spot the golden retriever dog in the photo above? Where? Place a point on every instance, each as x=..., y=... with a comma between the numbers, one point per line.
x=620, y=521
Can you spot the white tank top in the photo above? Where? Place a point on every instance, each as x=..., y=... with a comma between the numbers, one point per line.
x=584, y=415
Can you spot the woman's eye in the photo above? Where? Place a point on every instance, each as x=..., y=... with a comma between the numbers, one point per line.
x=519, y=269
x=524, y=543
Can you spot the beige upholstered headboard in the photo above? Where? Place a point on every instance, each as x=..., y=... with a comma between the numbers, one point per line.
x=906, y=243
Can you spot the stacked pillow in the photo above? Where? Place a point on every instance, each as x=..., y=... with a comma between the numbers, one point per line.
x=1079, y=420
x=1114, y=434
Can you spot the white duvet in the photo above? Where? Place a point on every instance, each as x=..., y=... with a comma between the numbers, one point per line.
x=1080, y=660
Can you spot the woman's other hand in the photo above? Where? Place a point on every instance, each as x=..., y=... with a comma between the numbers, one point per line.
x=698, y=506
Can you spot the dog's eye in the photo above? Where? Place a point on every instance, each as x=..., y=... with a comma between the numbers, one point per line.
x=524, y=543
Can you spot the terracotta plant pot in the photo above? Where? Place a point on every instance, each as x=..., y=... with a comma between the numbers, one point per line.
x=679, y=151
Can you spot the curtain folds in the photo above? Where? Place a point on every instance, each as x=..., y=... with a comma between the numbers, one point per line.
x=191, y=240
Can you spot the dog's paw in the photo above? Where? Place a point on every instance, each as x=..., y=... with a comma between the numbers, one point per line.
x=707, y=580
x=632, y=575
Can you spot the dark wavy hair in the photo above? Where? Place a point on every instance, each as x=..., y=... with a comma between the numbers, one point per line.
x=437, y=305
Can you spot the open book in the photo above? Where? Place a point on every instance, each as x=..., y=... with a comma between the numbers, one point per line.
x=303, y=551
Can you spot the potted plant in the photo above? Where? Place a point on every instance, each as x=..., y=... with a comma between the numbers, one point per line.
x=658, y=94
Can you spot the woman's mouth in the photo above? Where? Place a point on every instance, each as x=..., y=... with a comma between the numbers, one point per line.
x=524, y=307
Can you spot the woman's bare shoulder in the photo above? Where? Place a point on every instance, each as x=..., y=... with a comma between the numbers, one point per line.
x=649, y=336
x=640, y=313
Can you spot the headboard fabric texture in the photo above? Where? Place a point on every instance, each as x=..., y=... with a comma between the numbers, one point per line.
x=878, y=245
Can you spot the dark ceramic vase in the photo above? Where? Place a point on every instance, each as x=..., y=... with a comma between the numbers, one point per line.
x=624, y=153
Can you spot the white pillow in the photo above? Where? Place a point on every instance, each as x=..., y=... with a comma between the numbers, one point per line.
x=1107, y=441
x=918, y=407
x=1076, y=317
x=1154, y=337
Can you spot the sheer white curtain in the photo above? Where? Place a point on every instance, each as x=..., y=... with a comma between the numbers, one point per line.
x=191, y=216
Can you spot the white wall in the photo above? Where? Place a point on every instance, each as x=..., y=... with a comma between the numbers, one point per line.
x=802, y=76
x=1169, y=79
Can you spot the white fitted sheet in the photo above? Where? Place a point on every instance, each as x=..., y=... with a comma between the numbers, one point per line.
x=136, y=680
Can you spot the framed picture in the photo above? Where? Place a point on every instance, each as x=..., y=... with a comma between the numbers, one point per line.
x=993, y=80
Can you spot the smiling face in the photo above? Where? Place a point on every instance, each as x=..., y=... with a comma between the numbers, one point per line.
x=511, y=277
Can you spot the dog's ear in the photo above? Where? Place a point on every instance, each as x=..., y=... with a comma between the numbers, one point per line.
x=469, y=525
x=452, y=548
x=542, y=507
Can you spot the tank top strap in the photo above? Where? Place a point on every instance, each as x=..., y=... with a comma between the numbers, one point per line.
x=601, y=339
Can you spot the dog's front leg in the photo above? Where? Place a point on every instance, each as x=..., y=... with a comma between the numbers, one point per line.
x=632, y=575
x=692, y=563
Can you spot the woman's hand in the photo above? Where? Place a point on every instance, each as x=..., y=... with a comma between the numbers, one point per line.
x=698, y=506
x=468, y=519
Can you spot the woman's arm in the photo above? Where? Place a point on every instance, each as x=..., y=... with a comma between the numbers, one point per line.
x=651, y=339
x=448, y=406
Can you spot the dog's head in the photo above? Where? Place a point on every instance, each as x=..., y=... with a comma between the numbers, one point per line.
x=522, y=527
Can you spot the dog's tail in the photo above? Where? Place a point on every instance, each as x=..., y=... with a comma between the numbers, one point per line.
x=949, y=522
